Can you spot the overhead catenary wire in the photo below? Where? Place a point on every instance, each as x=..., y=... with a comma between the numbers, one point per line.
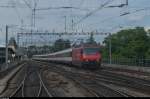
x=17, y=12
x=103, y=6
x=62, y=7
x=27, y=4
x=13, y=6
x=94, y=11
x=34, y=9
x=121, y=15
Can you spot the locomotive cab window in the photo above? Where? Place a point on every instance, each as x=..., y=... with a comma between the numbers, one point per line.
x=91, y=50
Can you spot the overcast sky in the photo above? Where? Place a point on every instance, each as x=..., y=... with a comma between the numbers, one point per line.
x=103, y=20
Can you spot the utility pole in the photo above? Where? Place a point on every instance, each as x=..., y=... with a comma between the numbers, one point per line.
x=65, y=24
x=18, y=37
x=32, y=23
x=34, y=14
x=6, y=59
x=127, y=2
x=72, y=25
x=110, y=49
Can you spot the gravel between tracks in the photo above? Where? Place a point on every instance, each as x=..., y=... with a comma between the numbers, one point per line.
x=133, y=85
x=55, y=80
x=86, y=81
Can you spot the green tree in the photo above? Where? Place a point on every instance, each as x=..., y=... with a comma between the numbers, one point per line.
x=130, y=43
x=46, y=49
x=61, y=44
x=148, y=52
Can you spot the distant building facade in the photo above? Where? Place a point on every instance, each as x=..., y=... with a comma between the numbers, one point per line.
x=11, y=51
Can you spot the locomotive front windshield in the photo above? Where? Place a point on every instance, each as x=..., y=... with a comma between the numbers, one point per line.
x=91, y=50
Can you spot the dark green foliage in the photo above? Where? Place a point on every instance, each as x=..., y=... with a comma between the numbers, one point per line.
x=91, y=39
x=130, y=43
x=61, y=44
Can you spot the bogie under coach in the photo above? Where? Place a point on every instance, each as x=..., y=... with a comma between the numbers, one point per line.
x=87, y=56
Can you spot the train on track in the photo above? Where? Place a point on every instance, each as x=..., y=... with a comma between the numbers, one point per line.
x=86, y=56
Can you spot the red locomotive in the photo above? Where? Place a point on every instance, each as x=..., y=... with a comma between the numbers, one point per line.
x=87, y=56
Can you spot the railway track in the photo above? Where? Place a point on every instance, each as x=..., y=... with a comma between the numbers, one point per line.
x=136, y=85
x=20, y=88
x=133, y=83
x=43, y=86
x=98, y=88
x=94, y=87
x=97, y=83
x=32, y=88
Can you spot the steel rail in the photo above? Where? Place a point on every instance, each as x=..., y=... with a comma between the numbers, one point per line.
x=111, y=89
x=115, y=90
x=20, y=87
x=44, y=86
x=89, y=89
x=40, y=90
x=113, y=79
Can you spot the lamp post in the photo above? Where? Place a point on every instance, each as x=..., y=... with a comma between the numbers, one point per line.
x=65, y=24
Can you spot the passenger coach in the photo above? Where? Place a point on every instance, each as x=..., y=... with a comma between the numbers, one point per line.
x=87, y=56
